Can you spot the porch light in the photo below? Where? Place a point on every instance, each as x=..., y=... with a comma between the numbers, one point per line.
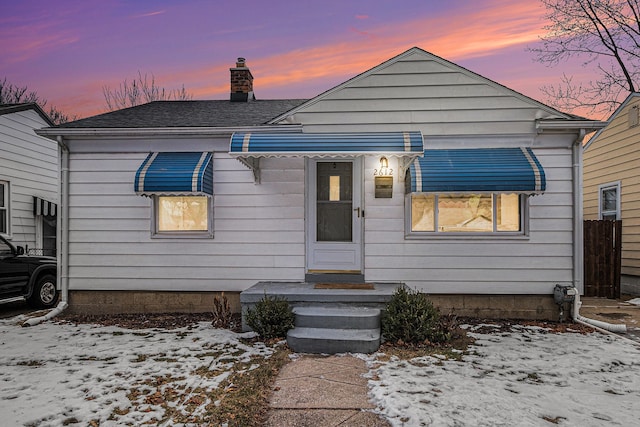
x=384, y=168
x=383, y=180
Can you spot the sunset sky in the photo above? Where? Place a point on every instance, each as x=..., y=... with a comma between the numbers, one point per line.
x=68, y=50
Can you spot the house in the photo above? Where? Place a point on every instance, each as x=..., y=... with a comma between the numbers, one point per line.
x=28, y=179
x=417, y=171
x=612, y=183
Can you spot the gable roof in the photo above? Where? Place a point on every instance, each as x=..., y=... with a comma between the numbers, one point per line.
x=178, y=114
x=613, y=116
x=435, y=58
x=16, y=108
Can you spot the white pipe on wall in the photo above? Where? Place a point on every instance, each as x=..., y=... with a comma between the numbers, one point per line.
x=618, y=328
x=578, y=254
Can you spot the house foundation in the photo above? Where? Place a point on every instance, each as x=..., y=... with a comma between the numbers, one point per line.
x=527, y=307
x=129, y=302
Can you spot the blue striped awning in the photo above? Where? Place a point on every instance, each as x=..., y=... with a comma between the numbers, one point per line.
x=325, y=144
x=491, y=170
x=175, y=174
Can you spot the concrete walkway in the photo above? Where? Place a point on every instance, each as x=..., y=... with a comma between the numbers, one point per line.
x=323, y=391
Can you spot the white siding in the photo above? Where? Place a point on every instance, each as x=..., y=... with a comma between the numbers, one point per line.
x=258, y=229
x=30, y=163
x=454, y=108
x=522, y=265
x=422, y=92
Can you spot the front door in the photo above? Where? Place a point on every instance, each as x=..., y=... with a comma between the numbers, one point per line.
x=334, y=216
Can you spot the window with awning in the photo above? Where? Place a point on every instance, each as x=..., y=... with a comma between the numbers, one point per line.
x=472, y=190
x=180, y=185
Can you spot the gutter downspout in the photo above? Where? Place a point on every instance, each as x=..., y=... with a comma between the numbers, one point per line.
x=62, y=237
x=578, y=237
x=578, y=230
x=597, y=324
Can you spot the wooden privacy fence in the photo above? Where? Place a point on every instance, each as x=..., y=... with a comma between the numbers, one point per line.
x=602, y=258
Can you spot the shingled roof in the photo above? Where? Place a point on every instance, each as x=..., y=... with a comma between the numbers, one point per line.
x=171, y=114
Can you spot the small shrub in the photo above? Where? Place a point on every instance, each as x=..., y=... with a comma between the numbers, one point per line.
x=411, y=318
x=222, y=315
x=272, y=317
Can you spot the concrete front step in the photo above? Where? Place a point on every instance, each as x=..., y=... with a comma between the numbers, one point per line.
x=331, y=341
x=304, y=293
x=347, y=317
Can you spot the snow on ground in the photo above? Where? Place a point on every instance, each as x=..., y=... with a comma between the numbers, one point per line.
x=526, y=377
x=58, y=374
x=62, y=374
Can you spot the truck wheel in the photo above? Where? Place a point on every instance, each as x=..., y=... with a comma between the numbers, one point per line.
x=45, y=292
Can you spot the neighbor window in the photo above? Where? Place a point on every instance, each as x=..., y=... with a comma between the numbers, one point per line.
x=466, y=213
x=634, y=115
x=4, y=207
x=183, y=215
x=609, y=201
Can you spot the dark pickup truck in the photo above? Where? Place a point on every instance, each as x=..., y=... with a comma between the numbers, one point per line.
x=32, y=278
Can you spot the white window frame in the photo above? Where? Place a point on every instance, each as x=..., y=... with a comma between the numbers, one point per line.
x=634, y=115
x=522, y=233
x=205, y=234
x=7, y=207
x=609, y=186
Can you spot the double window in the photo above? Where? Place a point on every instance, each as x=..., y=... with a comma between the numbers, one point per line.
x=4, y=207
x=609, y=201
x=466, y=213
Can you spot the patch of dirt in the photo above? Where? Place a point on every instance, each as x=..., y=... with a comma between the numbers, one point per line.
x=616, y=316
x=500, y=326
x=148, y=320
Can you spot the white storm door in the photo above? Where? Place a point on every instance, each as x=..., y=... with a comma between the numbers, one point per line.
x=334, y=215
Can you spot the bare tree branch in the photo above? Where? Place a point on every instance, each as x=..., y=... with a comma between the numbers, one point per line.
x=605, y=35
x=140, y=90
x=12, y=94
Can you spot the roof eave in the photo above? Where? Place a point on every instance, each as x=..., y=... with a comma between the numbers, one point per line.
x=53, y=132
x=555, y=125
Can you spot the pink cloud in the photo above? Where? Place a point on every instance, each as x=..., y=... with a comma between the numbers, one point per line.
x=28, y=41
x=486, y=31
x=362, y=17
x=144, y=15
x=472, y=33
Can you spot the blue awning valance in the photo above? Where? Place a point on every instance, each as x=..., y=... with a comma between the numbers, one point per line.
x=325, y=144
x=175, y=174
x=248, y=148
x=491, y=170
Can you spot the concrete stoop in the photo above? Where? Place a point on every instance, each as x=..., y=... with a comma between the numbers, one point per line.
x=333, y=330
x=327, y=321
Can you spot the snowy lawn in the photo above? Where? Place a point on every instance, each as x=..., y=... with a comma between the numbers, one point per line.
x=524, y=376
x=65, y=374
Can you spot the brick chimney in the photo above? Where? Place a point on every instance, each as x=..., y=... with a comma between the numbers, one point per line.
x=241, y=82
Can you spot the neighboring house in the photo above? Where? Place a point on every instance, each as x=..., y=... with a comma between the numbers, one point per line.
x=612, y=183
x=416, y=171
x=28, y=179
